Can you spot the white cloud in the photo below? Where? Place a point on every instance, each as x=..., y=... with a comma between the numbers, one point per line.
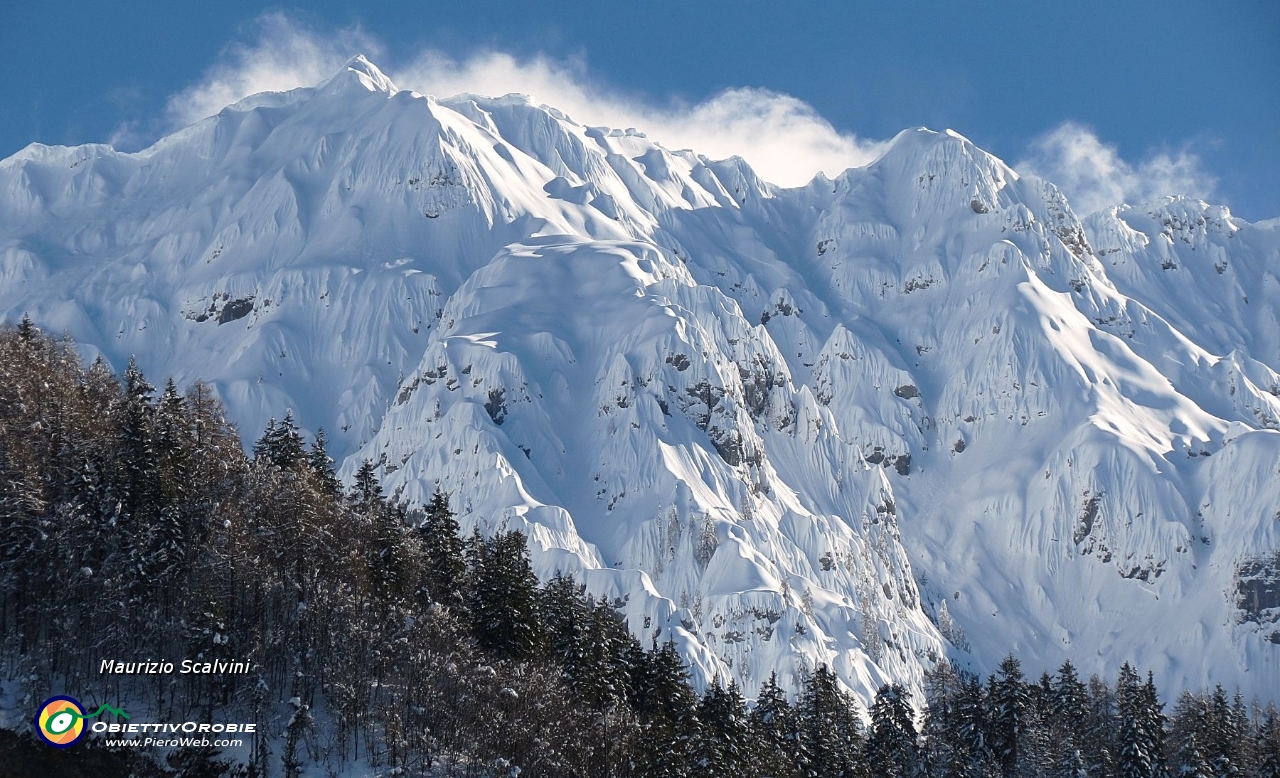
x=782, y=137
x=1094, y=176
x=285, y=55
x=126, y=136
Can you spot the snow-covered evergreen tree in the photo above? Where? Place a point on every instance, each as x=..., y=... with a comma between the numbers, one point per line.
x=892, y=747
x=831, y=736
x=504, y=596
x=722, y=745
x=1008, y=702
x=444, y=563
x=774, y=728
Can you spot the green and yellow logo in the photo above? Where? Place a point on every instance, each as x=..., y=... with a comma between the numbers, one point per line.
x=60, y=722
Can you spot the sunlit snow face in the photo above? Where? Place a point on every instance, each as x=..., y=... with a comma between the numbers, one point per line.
x=757, y=416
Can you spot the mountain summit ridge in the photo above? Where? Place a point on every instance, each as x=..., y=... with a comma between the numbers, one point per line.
x=915, y=411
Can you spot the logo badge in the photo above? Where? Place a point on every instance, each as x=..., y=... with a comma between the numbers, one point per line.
x=60, y=722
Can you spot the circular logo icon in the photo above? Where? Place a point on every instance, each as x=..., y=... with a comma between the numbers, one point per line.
x=60, y=722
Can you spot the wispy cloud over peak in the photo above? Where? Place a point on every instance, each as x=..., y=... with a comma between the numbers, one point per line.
x=779, y=135
x=283, y=55
x=1094, y=175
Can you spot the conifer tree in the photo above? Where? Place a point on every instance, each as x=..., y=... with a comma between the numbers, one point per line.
x=1100, y=730
x=322, y=465
x=27, y=330
x=391, y=566
x=281, y=443
x=602, y=679
x=774, y=733
x=939, y=730
x=444, y=573
x=1134, y=759
x=1008, y=702
x=667, y=704
x=1191, y=762
x=367, y=488
x=140, y=498
x=504, y=600
x=1069, y=709
x=975, y=757
x=565, y=620
x=721, y=747
x=171, y=532
x=892, y=746
x=1152, y=723
x=1221, y=735
x=831, y=737
x=1070, y=765
x=1038, y=749
x=1267, y=744
x=140, y=487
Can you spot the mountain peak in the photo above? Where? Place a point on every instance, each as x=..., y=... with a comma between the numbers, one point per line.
x=360, y=70
x=711, y=399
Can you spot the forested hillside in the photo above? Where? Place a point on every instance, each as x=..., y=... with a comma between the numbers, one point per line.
x=134, y=526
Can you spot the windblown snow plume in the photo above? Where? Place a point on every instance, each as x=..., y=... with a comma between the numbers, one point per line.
x=782, y=137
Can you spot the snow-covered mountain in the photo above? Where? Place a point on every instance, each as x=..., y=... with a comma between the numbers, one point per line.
x=920, y=410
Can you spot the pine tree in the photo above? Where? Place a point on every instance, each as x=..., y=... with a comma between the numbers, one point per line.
x=721, y=747
x=141, y=501
x=322, y=465
x=1152, y=723
x=1134, y=759
x=140, y=481
x=444, y=573
x=171, y=532
x=601, y=680
x=1191, y=761
x=587, y=641
x=1008, y=702
x=1065, y=718
x=831, y=737
x=1038, y=749
x=281, y=444
x=668, y=711
x=390, y=566
x=941, y=748
x=367, y=488
x=774, y=733
x=1221, y=735
x=1099, y=744
x=892, y=749
x=216, y=474
x=27, y=331
x=565, y=615
x=1267, y=744
x=504, y=599
x=1071, y=765
x=975, y=757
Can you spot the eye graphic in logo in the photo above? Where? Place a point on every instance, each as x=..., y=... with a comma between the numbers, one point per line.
x=60, y=722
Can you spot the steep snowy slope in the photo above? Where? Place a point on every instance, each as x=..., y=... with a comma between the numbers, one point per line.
x=918, y=410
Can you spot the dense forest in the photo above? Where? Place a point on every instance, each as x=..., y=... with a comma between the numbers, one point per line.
x=134, y=525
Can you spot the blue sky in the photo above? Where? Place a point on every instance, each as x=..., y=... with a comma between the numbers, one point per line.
x=1113, y=100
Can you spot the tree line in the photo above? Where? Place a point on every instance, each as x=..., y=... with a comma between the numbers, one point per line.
x=134, y=526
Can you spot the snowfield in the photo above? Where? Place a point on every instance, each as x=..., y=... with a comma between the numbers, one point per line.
x=918, y=411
